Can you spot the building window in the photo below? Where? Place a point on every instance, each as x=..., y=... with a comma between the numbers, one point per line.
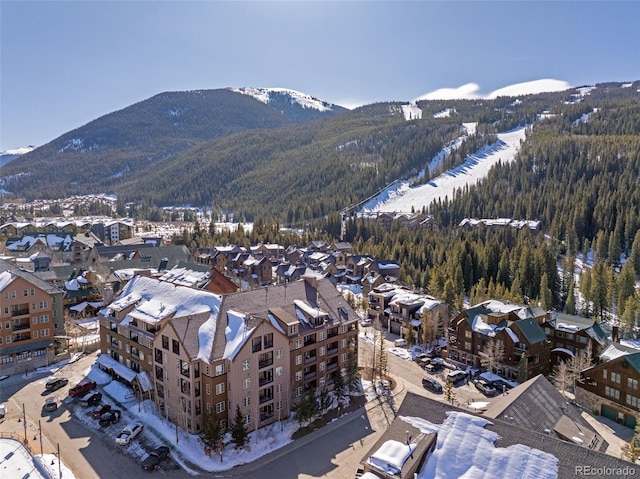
x=612, y=393
x=44, y=304
x=219, y=388
x=268, y=340
x=467, y=345
x=247, y=419
x=246, y=364
x=279, y=371
x=246, y=383
x=207, y=389
x=220, y=407
x=26, y=292
x=44, y=318
x=321, y=381
x=604, y=374
x=299, y=359
x=278, y=353
x=175, y=346
x=298, y=343
x=322, y=366
x=44, y=332
x=165, y=342
x=33, y=292
x=209, y=407
x=34, y=320
x=321, y=336
x=321, y=352
x=256, y=345
x=632, y=384
x=247, y=401
x=293, y=329
x=219, y=370
x=633, y=401
x=298, y=375
x=615, y=377
x=343, y=357
x=299, y=391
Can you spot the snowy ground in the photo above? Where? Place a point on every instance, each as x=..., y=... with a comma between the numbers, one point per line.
x=402, y=198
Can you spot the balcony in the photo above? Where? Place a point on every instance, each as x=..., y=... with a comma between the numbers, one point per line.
x=21, y=337
x=264, y=379
x=310, y=359
x=266, y=415
x=21, y=326
x=265, y=363
x=114, y=345
x=20, y=312
x=309, y=375
x=332, y=366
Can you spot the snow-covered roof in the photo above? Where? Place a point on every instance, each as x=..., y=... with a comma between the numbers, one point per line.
x=236, y=333
x=308, y=310
x=6, y=278
x=466, y=449
x=562, y=350
x=120, y=369
x=391, y=456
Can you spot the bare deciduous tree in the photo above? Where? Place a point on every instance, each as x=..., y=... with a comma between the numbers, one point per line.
x=491, y=355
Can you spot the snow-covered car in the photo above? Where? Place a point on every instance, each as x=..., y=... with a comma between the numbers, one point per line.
x=128, y=433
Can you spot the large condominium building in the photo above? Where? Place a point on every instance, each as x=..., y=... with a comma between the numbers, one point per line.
x=197, y=352
x=29, y=311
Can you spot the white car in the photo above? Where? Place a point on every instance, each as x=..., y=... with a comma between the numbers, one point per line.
x=128, y=433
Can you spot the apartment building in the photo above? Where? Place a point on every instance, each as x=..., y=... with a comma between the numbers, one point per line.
x=29, y=311
x=204, y=353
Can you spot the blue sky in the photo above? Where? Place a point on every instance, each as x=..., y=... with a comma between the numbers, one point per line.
x=63, y=64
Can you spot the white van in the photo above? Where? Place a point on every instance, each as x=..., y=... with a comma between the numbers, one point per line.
x=399, y=343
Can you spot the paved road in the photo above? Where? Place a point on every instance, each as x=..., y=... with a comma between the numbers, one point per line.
x=332, y=452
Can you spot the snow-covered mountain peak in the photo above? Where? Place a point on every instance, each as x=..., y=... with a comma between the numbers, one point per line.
x=265, y=96
x=10, y=155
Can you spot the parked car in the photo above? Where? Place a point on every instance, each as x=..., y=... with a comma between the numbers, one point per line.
x=419, y=357
x=457, y=377
x=434, y=367
x=484, y=387
x=501, y=385
x=90, y=399
x=100, y=410
x=51, y=404
x=154, y=458
x=3, y=411
x=110, y=417
x=56, y=383
x=399, y=343
x=128, y=433
x=432, y=385
x=82, y=387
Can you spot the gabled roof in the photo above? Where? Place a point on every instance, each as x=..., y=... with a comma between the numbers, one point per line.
x=531, y=330
x=573, y=324
x=537, y=405
x=33, y=278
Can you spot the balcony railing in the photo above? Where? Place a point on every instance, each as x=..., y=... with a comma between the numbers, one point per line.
x=20, y=326
x=265, y=363
x=265, y=380
x=21, y=337
x=265, y=415
x=310, y=359
x=310, y=375
x=266, y=398
x=20, y=312
x=332, y=366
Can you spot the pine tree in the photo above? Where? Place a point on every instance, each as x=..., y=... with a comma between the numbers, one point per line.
x=383, y=364
x=339, y=386
x=353, y=378
x=212, y=433
x=239, y=431
x=631, y=451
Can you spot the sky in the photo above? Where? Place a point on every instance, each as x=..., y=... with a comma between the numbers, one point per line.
x=66, y=63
